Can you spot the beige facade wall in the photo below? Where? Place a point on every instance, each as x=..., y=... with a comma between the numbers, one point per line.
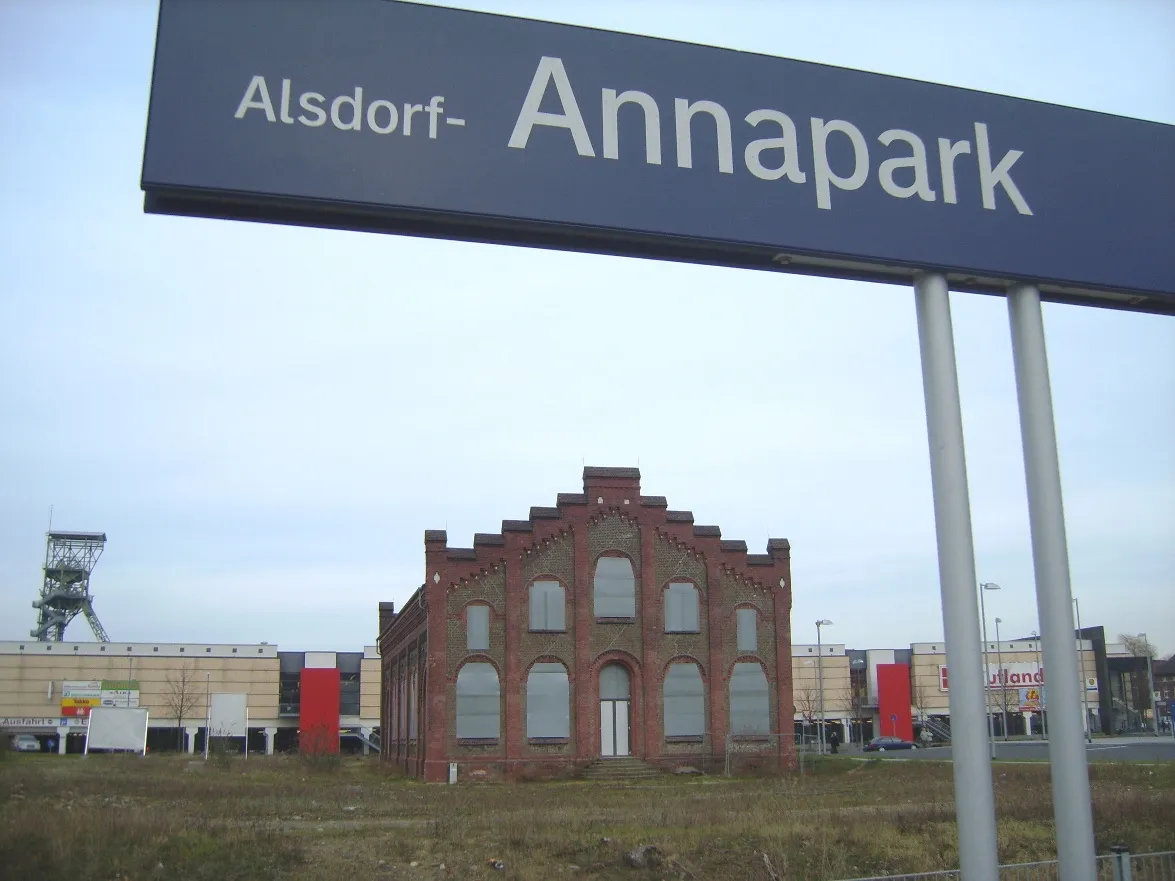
x=1019, y=657
x=369, y=680
x=833, y=666
x=31, y=678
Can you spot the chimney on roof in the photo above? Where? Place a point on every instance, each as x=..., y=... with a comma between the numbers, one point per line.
x=616, y=486
x=387, y=614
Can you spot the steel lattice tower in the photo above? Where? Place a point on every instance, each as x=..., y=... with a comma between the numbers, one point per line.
x=70, y=557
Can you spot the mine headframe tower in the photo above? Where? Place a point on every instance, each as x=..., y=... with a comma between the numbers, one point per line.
x=70, y=557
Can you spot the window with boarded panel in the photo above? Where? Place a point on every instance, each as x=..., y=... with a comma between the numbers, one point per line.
x=750, y=707
x=747, y=622
x=477, y=628
x=478, y=702
x=547, y=606
x=681, y=608
x=614, y=588
x=548, y=701
x=685, y=702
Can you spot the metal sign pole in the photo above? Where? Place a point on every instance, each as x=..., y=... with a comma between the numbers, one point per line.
x=974, y=797
x=1054, y=597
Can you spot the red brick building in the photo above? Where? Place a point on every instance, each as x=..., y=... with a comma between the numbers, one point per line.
x=605, y=626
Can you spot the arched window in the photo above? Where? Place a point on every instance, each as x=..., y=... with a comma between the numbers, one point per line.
x=546, y=606
x=478, y=701
x=750, y=708
x=615, y=588
x=681, y=608
x=685, y=702
x=477, y=628
x=403, y=706
x=413, y=700
x=615, y=683
x=547, y=702
x=747, y=621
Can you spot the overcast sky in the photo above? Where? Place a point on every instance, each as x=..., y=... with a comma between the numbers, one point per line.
x=265, y=420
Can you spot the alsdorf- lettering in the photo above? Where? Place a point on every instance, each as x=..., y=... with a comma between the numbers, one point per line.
x=345, y=112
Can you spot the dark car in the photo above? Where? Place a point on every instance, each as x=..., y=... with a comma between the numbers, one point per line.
x=881, y=744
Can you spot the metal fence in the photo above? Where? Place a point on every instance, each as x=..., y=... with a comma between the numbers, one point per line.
x=1121, y=865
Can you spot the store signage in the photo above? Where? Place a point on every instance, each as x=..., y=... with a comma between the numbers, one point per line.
x=40, y=722
x=79, y=697
x=1011, y=675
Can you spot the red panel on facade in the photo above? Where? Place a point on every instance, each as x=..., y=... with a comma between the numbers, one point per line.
x=318, y=723
x=893, y=700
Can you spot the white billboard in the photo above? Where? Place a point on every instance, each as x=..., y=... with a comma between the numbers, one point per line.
x=122, y=728
x=229, y=715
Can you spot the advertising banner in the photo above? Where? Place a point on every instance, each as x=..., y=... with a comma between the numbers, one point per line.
x=466, y=125
x=79, y=697
x=120, y=693
x=1031, y=699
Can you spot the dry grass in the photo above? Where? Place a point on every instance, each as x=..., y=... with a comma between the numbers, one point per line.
x=110, y=817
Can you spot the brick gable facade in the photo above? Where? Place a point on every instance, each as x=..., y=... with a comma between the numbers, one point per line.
x=424, y=647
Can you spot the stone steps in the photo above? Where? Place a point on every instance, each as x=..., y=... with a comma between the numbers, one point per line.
x=621, y=769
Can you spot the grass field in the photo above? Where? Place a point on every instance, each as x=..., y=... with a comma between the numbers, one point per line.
x=130, y=818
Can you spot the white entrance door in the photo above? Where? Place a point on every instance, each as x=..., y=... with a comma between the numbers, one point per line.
x=615, y=692
x=613, y=728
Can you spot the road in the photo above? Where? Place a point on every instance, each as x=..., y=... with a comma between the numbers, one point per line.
x=1109, y=749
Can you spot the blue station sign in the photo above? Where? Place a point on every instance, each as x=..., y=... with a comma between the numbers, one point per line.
x=398, y=117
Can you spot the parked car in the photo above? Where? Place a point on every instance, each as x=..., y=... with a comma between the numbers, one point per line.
x=881, y=744
x=26, y=743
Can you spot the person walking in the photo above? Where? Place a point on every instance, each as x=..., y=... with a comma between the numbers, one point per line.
x=834, y=740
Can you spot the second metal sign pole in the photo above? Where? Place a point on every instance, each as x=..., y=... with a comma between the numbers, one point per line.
x=1054, y=598
x=974, y=796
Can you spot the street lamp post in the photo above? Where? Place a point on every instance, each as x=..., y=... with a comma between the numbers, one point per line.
x=1150, y=681
x=858, y=698
x=999, y=660
x=986, y=586
x=207, y=712
x=820, y=676
x=1044, y=731
x=1084, y=680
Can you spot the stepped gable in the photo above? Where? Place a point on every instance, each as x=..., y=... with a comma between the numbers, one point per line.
x=607, y=491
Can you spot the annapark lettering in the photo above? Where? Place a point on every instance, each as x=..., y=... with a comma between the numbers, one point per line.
x=904, y=170
x=345, y=112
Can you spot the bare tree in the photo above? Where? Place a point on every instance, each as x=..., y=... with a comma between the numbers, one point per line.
x=807, y=705
x=1138, y=645
x=918, y=696
x=854, y=701
x=184, y=693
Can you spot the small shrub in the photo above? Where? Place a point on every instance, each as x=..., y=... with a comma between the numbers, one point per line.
x=318, y=748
